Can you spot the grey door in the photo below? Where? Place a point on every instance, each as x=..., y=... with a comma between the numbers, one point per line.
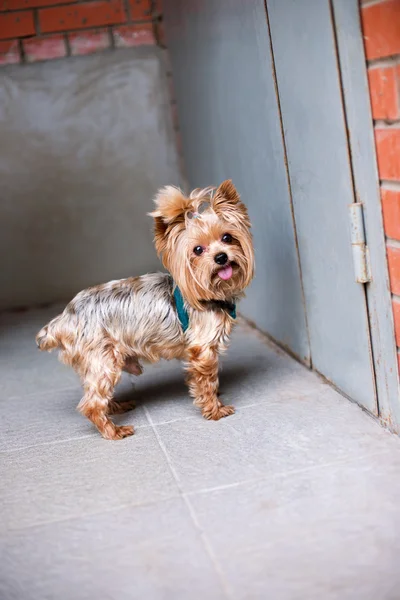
x=259, y=100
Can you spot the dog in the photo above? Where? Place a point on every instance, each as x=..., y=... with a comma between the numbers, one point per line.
x=187, y=314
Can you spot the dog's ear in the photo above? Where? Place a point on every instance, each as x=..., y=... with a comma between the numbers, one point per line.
x=226, y=193
x=160, y=235
x=227, y=203
x=171, y=206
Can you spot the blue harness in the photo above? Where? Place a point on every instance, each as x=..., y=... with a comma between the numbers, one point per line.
x=183, y=315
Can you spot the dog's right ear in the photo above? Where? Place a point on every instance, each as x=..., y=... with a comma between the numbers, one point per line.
x=171, y=206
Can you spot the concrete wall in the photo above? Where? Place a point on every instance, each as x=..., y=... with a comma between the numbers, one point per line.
x=85, y=143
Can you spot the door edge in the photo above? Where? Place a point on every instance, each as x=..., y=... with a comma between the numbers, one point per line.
x=354, y=81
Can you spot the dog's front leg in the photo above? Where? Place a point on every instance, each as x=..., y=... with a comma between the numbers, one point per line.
x=202, y=368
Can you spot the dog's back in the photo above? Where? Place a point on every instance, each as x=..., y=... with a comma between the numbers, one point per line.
x=136, y=310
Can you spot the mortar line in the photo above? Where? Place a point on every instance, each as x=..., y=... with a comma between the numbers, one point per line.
x=387, y=124
x=392, y=243
x=393, y=186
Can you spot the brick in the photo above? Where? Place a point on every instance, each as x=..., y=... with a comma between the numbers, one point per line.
x=381, y=27
x=134, y=35
x=87, y=42
x=388, y=153
x=391, y=213
x=44, y=48
x=383, y=92
x=9, y=53
x=81, y=16
x=140, y=10
x=16, y=24
x=6, y=5
x=393, y=255
x=396, y=316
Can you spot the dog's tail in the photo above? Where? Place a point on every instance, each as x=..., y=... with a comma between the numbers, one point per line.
x=55, y=334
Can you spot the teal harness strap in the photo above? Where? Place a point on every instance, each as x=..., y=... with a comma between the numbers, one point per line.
x=183, y=314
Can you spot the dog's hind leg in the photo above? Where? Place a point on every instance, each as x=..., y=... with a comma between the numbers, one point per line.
x=121, y=407
x=133, y=366
x=102, y=372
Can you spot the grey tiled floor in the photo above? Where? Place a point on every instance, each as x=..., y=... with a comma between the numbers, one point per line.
x=295, y=497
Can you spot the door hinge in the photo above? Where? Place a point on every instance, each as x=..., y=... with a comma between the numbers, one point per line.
x=362, y=267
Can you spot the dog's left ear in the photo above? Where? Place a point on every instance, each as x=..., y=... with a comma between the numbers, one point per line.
x=228, y=204
x=226, y=192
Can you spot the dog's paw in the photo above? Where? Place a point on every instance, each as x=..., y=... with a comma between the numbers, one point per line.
x=123, y=431
x=218, y=413
x=119, y=432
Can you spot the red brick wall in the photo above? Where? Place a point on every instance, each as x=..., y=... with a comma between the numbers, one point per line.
x=32, y=30
x=381, y=30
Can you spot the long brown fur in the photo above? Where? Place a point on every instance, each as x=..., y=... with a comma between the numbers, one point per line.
x=116, y=326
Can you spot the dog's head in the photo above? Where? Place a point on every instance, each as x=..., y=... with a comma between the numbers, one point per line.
x=205, y=241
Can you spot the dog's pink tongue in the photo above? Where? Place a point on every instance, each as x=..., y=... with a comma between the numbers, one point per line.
x=225, y=273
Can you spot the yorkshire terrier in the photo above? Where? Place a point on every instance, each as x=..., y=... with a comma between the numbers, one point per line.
x=187, y=313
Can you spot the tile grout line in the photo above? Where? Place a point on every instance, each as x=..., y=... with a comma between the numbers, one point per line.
x=238, y=409
x=184, y=495
x=208, y=547
x=292, y=473
x=43, y=393
x=149, y=425
x=106, y=511
x=95, y=434
x=40, y=444
x=206, y=544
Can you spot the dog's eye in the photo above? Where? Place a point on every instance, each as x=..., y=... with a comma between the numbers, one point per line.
x=198, y=250
x=227, y=238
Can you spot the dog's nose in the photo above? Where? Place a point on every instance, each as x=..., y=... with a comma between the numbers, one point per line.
x=221, y=258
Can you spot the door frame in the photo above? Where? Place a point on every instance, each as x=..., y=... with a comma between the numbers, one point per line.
x=352, y=72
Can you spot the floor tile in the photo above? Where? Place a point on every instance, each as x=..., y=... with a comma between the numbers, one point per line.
x=296, y=496
x=251, y=373
x=265, y=439
x=325, y=533
x=52, y=416
x=162, y=391
x=152, y=552
x=79, y=477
